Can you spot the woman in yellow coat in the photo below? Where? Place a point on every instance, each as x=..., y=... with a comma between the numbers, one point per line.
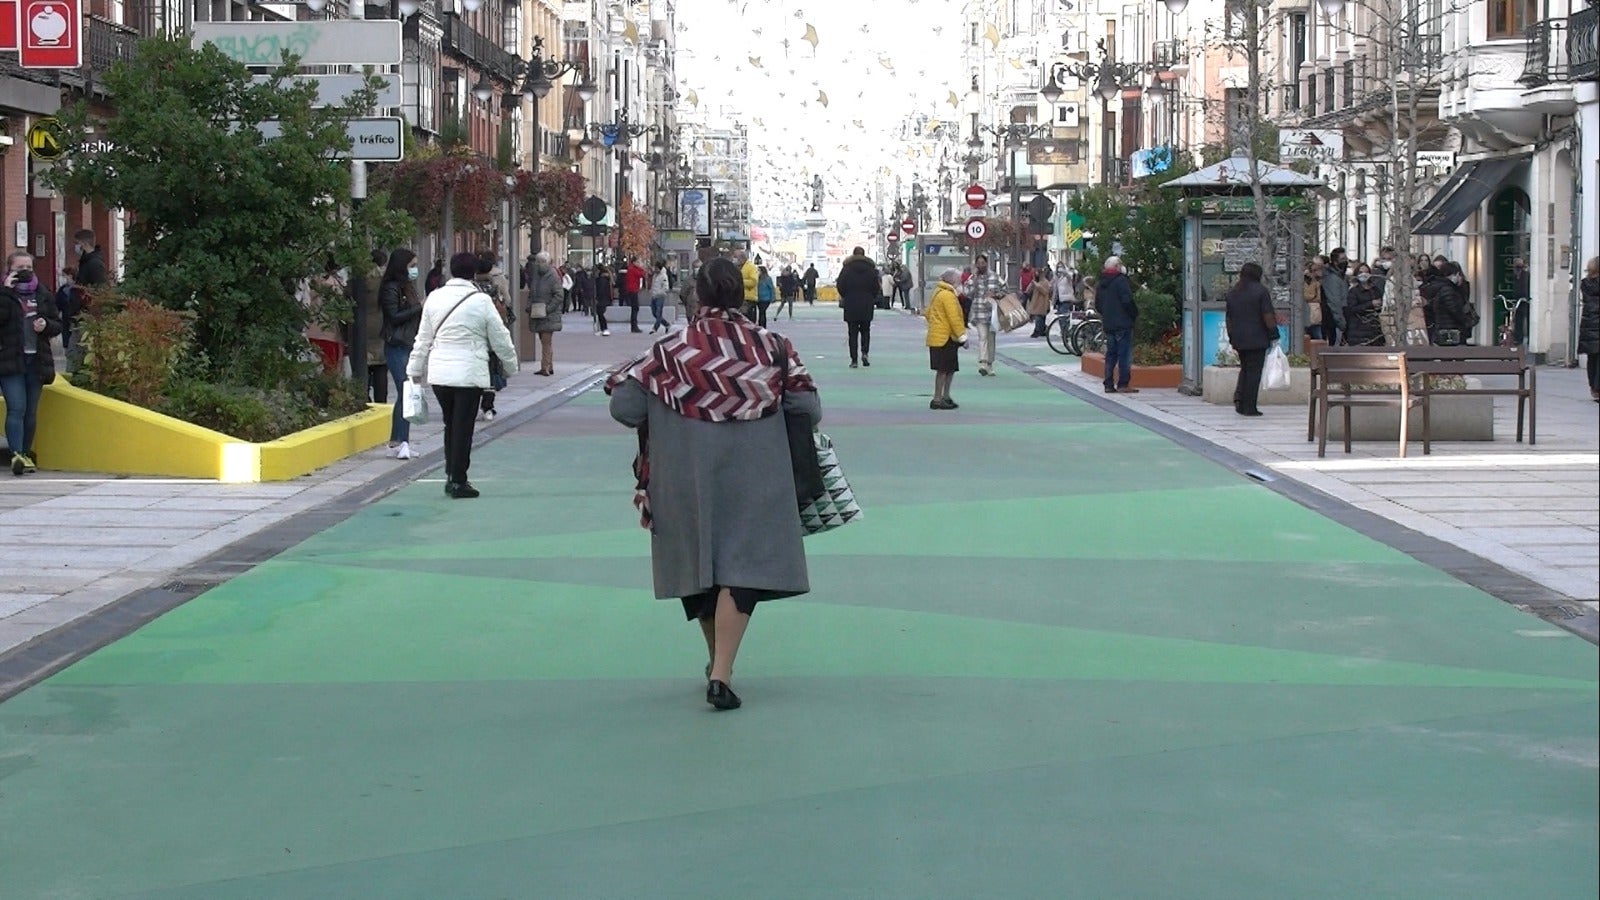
x=946, y=334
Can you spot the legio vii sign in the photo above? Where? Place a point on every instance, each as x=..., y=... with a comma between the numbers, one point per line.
x=1055, y=153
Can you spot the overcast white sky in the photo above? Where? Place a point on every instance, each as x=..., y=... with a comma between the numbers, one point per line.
x=876, y=61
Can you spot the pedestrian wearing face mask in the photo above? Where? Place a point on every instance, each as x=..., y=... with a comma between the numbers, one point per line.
x=401, y=305
x=28, y=322
x=1363, y=327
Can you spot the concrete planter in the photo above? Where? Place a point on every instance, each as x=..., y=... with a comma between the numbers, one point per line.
x=1143, y=376
x=149, y=443
x=1454, y=419
x=1217, y=384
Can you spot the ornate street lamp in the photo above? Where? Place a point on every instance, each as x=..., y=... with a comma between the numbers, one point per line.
x=1175, y=6
x=1331, y=8
x=483, y=90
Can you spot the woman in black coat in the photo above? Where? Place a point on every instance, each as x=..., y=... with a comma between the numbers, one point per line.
x=1362, y=326
x=397, y=297
x=28, y=322
x=1589, y=324
x=1252, y=327
x=1452, y=323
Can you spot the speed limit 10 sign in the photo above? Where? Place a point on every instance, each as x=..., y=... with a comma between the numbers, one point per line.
x=976, y=229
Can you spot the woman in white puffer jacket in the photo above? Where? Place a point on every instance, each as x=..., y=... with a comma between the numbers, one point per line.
x=459, y=328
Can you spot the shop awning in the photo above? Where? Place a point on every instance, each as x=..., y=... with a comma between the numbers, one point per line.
x=1465, y=191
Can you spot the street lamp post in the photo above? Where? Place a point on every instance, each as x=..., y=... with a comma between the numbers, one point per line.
x=540, y=75
x=1017, y=133
x=1108, y=76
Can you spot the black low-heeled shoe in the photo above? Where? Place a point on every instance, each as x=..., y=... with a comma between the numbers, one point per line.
x=721, y=696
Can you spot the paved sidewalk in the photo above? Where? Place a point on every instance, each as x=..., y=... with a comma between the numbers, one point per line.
x=1534, y=510
x=95, y=540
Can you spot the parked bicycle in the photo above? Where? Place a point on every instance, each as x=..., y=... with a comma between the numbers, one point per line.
x=1075, y=332
x=1508, y=328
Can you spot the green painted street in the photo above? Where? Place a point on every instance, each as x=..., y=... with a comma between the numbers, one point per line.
x=1061, y=656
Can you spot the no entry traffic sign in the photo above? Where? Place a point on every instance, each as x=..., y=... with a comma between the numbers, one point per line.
x=977, y=196
x=51, y=34
x=909, y=227
x=976, y=229
x=894, y=236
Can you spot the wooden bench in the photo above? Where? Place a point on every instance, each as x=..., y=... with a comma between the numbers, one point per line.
x=1352, y=367
x=1432, y=363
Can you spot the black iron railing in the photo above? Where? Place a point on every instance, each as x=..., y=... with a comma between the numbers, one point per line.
x=1583, y=43
x=106, y=43
x=488, y=56
x=1544, y=60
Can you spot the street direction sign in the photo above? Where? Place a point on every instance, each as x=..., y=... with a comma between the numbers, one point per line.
x=51, y=34
x=976, y=228
x=8, y=24
x=977, y=197
x=377, y=139
x=909, y=227
x=1314, y=144
x=333, y=89
x=47, y=141
x=322, y=42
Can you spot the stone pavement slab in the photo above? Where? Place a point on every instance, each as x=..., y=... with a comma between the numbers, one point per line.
x=1139, y=675
x=1551, y=489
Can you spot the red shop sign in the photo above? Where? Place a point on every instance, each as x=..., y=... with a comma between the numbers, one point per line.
x=51, y=34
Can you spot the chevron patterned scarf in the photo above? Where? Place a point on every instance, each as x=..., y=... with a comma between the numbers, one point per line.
x=719, y=368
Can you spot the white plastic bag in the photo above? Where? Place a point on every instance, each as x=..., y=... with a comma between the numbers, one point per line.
x=414, y=404
x=1275, y=374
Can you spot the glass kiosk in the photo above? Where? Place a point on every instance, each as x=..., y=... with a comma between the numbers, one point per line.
x=1220, y=235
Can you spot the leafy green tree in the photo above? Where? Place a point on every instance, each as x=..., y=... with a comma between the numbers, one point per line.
x=1144, y=223
x=227, y=222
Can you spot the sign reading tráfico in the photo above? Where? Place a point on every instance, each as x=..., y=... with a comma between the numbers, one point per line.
x=378, y=139
x=325, y=42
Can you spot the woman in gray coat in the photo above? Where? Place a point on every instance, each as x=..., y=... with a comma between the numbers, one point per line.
x=545, y=288
x=715, y=485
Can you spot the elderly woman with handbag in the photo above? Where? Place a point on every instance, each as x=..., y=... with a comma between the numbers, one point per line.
x=544, y=309
x=715, y=483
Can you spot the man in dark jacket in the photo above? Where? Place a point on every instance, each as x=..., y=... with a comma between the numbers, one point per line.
x=1252, y=327
x=1114, y=298
x=808, y=284
x=858, y=293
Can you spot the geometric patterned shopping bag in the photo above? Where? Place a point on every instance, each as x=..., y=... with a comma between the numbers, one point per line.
x=837, y=504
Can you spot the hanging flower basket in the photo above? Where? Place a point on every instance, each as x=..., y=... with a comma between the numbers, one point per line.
x=420, y=185
x=550, y=198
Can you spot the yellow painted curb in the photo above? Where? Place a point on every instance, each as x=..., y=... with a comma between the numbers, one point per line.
x=81, y=431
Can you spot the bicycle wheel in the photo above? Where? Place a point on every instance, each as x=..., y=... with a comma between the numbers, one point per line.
x=1057, y=335
x=1089, y=337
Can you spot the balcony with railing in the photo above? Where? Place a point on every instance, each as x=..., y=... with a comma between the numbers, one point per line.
x=106, y=43
x=1548, y=64
x=1583, y=44
x=465, y=42
x=1546, y=54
